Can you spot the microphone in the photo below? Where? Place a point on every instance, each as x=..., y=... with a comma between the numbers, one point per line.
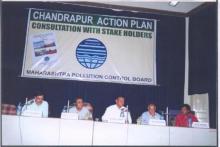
x=68, y=105
x=30, y=102
x=26, y=104
x=125, y=109
x=127, y=114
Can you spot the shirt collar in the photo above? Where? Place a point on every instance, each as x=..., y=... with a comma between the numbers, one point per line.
x=151, y=115
x=37, y=104
x=119, y=108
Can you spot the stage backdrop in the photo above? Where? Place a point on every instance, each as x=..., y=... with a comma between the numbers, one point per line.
x=83, y=46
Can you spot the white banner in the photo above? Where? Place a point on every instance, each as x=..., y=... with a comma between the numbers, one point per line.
x=90, y=47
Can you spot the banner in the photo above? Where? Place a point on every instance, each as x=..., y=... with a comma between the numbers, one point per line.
x=90, y=47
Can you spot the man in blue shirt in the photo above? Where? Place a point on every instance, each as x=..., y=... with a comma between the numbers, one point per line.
x=37, y=104
x=150, y=114
x=83, y=112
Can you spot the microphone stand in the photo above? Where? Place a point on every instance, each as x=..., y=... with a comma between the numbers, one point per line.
x=167, y=115
x=26, y=104
x=68, y=106
x=127, y=115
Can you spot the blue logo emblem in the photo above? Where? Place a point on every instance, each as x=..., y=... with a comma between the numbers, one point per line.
x=91, y=53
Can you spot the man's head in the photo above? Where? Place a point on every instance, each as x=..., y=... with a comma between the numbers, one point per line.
x=151, y=109
x=185, y=109
x=39, y=97
x=120, y=101
x=79, y=102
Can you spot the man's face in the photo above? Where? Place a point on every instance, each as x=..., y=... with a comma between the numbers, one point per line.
x=39, y=99
x=120, y=101
x=151, y=109
x=184, y=110
x=79, y=103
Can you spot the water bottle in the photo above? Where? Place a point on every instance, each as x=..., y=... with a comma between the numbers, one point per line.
x=139, y=120
x=161, y=117
x=19, y=108
x=189, y=122
x=64, y=109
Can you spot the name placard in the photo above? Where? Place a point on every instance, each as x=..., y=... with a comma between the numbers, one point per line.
x=204, y=125
x=73, y=116
x=32, y=113
x=118, y=120
x=157, y=122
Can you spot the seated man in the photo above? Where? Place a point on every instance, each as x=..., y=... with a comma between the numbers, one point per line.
x=182, y=119
x=37, y=104
x=117, y=111
x=83, y=112
x=150, y=114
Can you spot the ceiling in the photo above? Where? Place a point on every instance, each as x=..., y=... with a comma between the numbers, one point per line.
x=181, y=7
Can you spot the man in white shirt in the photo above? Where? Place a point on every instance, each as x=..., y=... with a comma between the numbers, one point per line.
x=117, y=111
x=83, y=112
x=37, y=104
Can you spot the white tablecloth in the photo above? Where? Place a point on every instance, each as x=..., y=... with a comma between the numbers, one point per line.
x=109, y=134
x=54, y=131
x=75, y=132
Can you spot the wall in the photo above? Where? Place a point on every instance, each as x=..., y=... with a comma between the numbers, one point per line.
x=203, y=56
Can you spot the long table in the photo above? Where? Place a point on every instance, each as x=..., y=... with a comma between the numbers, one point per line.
x=19, y=130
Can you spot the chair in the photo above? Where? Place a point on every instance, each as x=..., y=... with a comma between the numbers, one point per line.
x=8, y=109
x=172, y=116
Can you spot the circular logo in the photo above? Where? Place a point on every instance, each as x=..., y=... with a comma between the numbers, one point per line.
x=91, y=53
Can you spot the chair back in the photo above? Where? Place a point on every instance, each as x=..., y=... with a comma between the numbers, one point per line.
x=8, y=109
x=172, y=116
